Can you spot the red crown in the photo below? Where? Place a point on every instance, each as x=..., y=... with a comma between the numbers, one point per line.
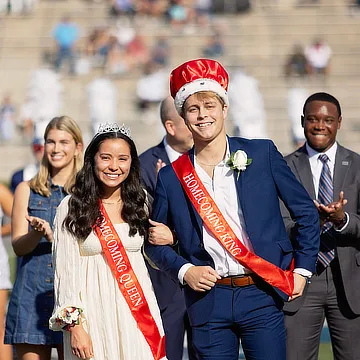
x=198, y=75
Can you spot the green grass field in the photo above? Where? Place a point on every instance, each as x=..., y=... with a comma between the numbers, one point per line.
x=325, y=352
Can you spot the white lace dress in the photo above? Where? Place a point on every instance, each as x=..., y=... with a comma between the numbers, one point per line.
x=84, y=280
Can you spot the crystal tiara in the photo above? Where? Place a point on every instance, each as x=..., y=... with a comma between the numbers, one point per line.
x=114, y=127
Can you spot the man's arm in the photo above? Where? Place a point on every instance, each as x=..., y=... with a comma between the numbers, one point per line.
x=164, y=257
x=301, y=209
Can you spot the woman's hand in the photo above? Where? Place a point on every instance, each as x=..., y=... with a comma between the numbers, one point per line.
x=160, y=234
x=41, y=226
x=80, y=342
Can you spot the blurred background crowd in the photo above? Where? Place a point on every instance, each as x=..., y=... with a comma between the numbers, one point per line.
x=109, y=60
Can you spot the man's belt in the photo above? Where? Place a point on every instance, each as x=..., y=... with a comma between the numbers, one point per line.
x=236, y=281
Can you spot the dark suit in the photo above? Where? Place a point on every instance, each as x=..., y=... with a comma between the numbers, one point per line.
x=335, y=293
x=169, y=295
x=258, y=190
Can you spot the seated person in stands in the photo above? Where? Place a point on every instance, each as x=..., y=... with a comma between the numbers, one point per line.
x=297, y=64
x=179, y=13
x=318, y=55
x=122, y=7
x=214, y=47
x=98, y=45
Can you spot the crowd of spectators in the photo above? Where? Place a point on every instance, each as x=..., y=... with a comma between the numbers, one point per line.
x=177, y=11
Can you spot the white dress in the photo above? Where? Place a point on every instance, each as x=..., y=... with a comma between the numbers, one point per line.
x=84, y=280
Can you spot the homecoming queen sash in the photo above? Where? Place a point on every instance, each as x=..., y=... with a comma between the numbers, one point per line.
x=221, y=230
x=129, y=285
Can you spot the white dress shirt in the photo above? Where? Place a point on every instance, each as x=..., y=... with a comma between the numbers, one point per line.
x=171, y=153
x=316, y=166
x=222, y=189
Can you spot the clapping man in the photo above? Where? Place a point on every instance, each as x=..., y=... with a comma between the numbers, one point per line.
x=330, y=173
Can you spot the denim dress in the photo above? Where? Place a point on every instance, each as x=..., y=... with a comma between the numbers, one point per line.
x=32, y=298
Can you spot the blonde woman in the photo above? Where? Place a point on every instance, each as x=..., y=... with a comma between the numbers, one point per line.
x=35, y=204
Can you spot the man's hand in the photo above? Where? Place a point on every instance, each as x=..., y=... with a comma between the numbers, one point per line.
x=201, y=278
x=159, y=165
x=333, y=212
x=299, y=285
x=160, y=234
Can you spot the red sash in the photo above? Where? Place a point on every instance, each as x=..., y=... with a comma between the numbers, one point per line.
x=221, y=230
x=129, y=285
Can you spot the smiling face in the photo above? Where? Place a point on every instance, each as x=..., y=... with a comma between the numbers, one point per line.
x=321, y=122
x=205, y=116
x=112, y=162
x=60, y=149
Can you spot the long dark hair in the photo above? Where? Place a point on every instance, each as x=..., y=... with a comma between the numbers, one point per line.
x=84, y=209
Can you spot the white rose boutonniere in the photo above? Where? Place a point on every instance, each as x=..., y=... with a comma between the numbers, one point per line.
x=238, y=161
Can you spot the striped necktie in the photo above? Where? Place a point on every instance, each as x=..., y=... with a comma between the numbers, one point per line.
x=325, y=197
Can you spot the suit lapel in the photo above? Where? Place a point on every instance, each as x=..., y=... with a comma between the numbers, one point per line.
x=160, y=153
x=302, y=166
x=234, y=146
x=342, y=166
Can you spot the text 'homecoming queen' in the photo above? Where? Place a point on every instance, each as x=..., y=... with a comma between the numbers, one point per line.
x=125, y=274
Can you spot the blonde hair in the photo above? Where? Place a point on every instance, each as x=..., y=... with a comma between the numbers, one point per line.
x=202, y=96
x=40, y=182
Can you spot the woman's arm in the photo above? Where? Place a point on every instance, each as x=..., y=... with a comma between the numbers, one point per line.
x=68, y=313
x=23, y=240
x=67, y=282
x=6, y=202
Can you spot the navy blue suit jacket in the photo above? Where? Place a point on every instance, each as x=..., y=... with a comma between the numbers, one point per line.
x=148, y=160
x=259, y=188
x=166, y=289
x=16, y=179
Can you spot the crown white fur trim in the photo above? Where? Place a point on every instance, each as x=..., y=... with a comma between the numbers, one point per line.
x=197, y=86
x=106, y=128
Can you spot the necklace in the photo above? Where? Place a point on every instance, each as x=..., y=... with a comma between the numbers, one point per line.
x=200, y=162
x=111, y=203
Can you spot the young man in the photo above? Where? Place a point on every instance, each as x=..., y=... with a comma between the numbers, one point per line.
x=224, y=209
x=329, y=172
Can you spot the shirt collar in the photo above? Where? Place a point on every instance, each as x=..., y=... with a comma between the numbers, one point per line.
x=331, y=153
x=171, y=153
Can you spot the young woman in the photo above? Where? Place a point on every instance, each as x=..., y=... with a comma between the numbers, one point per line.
x=35, y=204
x=6, y=201
x=104, y=300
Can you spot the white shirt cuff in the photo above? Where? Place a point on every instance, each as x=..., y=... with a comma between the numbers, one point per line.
x=182, y=272
x=303, y=272
x=346, y=224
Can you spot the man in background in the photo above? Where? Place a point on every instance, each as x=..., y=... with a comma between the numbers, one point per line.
x=330, y=173
x=177, y=141
x=170, y=296
x=30, y=170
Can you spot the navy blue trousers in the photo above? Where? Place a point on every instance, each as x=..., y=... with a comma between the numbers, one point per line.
x=248, y=314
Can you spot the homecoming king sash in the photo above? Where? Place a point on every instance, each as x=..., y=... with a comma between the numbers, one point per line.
x=129, y=285
x=221, y=230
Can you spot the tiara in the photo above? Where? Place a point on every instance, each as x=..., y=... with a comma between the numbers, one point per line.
x=114, y=127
